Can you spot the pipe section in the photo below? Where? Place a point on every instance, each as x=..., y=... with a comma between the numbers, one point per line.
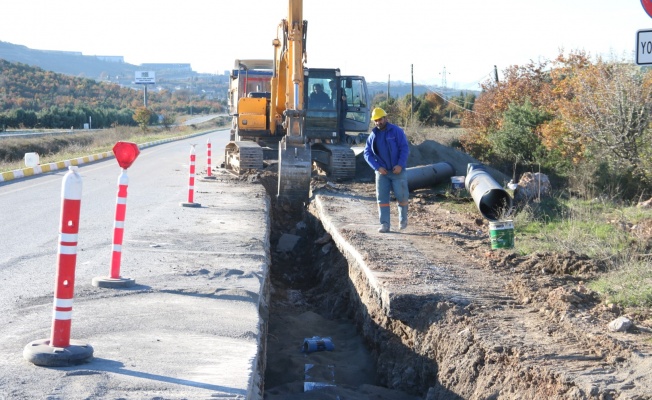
x=429, y=175
x=493, y=202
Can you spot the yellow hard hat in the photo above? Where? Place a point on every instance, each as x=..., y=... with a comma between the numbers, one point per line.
x=378, y=113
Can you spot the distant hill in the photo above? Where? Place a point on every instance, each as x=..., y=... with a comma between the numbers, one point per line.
x=169, y=77
x=112, y=68
x=70, y=63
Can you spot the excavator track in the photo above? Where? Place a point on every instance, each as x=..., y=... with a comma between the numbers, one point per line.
x=242, y=156
x=336, y=160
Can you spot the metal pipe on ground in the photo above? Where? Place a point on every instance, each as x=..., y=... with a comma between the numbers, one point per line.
x=429, y=175
x=493, y=202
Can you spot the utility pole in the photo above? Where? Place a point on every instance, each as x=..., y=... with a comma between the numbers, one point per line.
x=412, y=92
x=388, y=80
x=496, y=73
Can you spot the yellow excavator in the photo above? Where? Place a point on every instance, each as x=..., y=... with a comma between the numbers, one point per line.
x=282, y=110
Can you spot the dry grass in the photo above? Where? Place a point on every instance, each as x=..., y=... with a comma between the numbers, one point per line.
x=70, y=146
x=447, y=136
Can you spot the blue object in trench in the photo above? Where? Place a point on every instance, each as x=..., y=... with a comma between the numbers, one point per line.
x=316, y=343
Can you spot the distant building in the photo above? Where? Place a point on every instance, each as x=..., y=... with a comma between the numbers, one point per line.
x=177, y=67
x=68, y=53
x=115, y=59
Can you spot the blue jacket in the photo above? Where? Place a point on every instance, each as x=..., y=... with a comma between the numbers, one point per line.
x=387, y=148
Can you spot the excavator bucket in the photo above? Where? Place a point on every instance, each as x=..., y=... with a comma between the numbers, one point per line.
x=294, y=169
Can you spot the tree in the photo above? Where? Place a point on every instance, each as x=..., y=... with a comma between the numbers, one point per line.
x=531, y=81
x=612, y=110
x=169, y=120
x=142, y=117
x=518, y=140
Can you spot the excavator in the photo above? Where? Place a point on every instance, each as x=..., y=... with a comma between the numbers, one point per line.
x=274, y=116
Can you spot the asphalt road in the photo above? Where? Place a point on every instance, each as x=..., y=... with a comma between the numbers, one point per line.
x=189, y=328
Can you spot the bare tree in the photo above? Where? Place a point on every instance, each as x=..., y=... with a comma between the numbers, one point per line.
x=612, y=109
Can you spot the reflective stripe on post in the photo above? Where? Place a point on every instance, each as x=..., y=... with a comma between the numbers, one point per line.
x=67, y=258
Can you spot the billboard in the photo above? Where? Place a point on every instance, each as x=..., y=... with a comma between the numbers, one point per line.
x=145, y=77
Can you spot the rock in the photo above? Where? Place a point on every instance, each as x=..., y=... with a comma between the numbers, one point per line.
x=324, y=239
x=532, y=186
x=287, y=242
x=620, y=324
x=645, y=204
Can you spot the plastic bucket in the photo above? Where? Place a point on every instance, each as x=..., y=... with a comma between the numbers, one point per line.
x=457, y=182
x=501, y=234
x=31, y=159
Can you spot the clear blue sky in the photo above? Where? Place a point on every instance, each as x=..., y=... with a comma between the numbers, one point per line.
x=379, y=39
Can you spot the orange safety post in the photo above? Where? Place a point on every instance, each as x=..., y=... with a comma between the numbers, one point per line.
x=59, y=350
x=125, y=153
x=191, y=184
x=208, y=158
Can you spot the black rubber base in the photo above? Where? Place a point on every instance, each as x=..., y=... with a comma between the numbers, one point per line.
x=108, y=282
x=39, y=352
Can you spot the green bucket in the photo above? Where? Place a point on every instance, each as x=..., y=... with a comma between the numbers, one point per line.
x=501, y=234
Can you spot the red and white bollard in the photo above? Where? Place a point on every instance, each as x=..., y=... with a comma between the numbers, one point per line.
x=209, y=174
x=191, y=184
x=125, y=154
x=115, y=280
x=59, y=350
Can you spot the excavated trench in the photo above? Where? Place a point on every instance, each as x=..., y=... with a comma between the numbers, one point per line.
x=312, y=296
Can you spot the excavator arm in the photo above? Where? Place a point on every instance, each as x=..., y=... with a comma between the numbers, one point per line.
x=294, y=158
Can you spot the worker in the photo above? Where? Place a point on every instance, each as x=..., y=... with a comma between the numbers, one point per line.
x=319, y=98
x=386, y=151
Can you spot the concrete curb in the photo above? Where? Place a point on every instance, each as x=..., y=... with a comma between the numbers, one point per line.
x=54, y=166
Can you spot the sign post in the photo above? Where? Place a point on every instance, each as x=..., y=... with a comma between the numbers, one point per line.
x=145, y=78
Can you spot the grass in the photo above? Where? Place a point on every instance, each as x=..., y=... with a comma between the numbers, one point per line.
x=604, y=231
x=601, y=229
x=70, y=146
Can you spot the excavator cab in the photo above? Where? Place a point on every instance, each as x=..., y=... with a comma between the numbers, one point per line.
x=346, y=110
x=327, y=123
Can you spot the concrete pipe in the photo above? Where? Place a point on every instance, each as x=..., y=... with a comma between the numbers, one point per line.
x=491, y=199
x=429, y=175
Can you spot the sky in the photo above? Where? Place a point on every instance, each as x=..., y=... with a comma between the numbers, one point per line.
x=428, y=41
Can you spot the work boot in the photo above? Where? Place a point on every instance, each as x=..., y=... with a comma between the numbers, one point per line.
x=384, y=228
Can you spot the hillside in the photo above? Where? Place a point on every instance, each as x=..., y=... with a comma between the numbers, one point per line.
x=168, y=77
x=76, y=64
x=68, y=63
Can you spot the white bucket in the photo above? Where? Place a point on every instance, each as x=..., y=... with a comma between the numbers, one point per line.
x=457, y=182
x=501, y=234
x=31, y=160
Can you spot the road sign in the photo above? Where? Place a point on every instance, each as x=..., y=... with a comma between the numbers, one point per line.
x=647, y=6
x=125, y=153
x=145, y=77
x=644, y=47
